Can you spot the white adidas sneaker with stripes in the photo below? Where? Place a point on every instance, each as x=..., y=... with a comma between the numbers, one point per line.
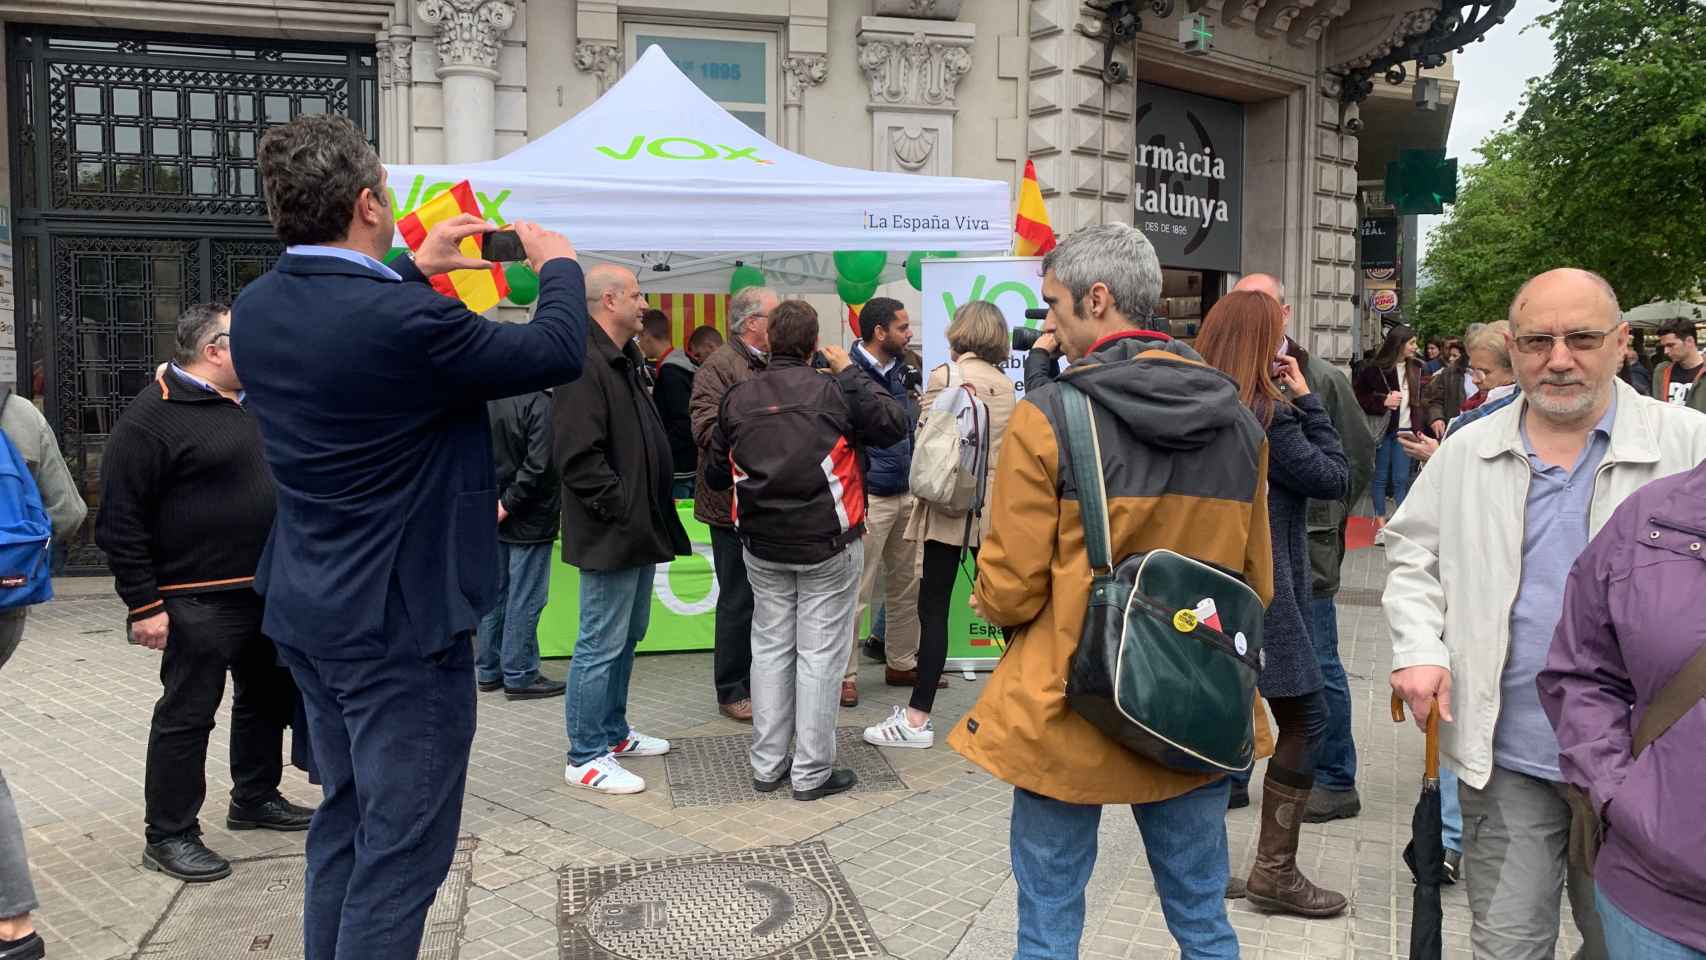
x=605, y=775
x=896, y=732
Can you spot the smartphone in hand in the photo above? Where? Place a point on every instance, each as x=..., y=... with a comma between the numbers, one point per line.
x=502, y=245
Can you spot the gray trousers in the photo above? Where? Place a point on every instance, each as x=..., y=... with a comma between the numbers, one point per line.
x=17, y=894
x=1516, y=834
x=801, y=619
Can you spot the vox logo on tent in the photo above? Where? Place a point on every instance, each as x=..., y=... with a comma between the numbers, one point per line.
x=681, y=148
x=420, y=192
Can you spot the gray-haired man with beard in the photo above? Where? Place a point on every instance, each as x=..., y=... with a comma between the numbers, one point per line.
x=746, y=352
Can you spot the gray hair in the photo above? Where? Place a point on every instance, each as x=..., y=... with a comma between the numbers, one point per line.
x=1490, y=336
x=1116, y=255
x=745, y=304
x=603, y=278
x=197, y=326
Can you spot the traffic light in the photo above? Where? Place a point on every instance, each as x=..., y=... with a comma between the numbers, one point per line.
x=1421, y=181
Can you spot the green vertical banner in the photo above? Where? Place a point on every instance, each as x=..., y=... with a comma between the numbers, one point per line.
x=684, y=600
x=973, y=643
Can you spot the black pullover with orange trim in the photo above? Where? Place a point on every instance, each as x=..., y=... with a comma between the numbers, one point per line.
x=187, y=500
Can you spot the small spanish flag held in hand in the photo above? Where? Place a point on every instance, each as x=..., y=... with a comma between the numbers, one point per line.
x=1032, y=235
x=479, y=290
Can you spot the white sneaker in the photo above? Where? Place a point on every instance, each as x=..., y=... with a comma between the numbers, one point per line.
x=639, y=745
x=605, y=775
x=896, y=732
x=1380, y=537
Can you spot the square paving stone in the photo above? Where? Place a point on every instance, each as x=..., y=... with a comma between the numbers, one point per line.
x=786, y=903
x=716, y=771
x=257, y=911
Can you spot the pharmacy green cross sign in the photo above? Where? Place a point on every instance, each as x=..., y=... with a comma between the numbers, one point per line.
x=1421, y=181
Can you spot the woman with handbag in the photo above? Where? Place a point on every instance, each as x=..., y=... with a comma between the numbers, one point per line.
x=979, y=343
x=1390, y=392
x=1242, y=336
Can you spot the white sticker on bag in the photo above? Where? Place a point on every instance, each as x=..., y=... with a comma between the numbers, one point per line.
x=1241, y=643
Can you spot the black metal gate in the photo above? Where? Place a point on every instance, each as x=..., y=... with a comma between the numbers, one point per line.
x=135, y=194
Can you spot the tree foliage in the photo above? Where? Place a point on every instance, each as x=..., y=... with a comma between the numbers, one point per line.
x=1605, y=168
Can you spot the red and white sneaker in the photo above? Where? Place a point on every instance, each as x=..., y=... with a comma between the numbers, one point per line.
x=637, y=744
x=605, y=775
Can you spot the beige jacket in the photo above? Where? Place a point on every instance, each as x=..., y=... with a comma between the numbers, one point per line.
x=1455, y=547
x=996, y=390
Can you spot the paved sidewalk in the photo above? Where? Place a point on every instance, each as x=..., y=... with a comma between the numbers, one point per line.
x=927, y=863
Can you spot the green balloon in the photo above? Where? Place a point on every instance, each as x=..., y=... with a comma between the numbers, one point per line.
x=943, y=254
x=854, y=294
x=915, y=269
x=396, y=252
x=860, y=266
x=745, y=276
x=523, y=284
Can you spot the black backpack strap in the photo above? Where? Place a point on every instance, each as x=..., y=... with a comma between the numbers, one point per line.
x=1084, y=450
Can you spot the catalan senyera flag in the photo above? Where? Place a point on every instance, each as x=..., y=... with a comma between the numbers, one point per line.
x=1032, y=235
x=690, y=311
x=479, y=290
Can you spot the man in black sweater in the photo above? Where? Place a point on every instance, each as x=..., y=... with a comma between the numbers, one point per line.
x=186, y=506
x=529, y=501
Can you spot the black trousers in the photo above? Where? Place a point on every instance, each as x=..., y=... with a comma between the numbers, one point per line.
x=732, y=662
x=210, y=635
x=935, y=593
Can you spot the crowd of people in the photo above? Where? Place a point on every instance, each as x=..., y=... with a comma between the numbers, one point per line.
x=355, y=518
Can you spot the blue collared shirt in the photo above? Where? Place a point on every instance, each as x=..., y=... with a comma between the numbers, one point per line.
x=1554, y=534
x=210, y=388
x=344, y=253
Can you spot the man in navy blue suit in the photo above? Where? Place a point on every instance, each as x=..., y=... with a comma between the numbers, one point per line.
x=370, y=390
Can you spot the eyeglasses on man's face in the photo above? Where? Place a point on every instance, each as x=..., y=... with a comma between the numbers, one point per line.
x=1579, y=341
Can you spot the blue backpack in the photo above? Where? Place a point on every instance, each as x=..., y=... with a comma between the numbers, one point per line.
x=26, y=534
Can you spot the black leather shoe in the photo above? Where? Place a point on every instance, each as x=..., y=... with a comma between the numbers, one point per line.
x=540, y=689
x=276, y=814
x=840, y=781
x=31, y=947
x=186, y=858
x=876, y=649
x=489, y=686
x=770, y=786
x=1239, y=797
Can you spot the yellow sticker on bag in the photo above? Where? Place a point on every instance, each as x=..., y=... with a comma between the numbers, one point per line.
x=1185, y=621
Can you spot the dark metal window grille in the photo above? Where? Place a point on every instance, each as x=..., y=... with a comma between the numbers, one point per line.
x=136, y=194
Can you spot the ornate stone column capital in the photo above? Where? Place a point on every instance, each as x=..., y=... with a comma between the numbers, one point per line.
x=912, y=67
x=470, y=32
x=603, y=60
x=802, y=70
x=383, y=61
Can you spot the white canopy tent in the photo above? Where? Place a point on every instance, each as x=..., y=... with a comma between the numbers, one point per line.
x=657, y=176
x=1649, y=315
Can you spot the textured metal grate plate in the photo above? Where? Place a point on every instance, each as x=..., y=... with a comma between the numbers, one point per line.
x=1360, y=596
x=257, y=912
x=716, y=771
x=786, y=903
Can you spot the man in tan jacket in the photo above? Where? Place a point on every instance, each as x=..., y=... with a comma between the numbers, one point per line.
x=746, y=352
x=1185, y=464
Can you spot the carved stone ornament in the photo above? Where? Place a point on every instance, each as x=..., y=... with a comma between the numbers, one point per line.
x=403, y=62
x=383, y=61
x=802, y=70
x=915, y=70
x=1404, y=28
x=918, y=9
x=601, y=59
x=912, y=147
x=470, y=32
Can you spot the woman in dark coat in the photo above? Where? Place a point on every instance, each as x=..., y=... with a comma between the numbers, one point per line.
x=1242, y=336
x=1390, y=392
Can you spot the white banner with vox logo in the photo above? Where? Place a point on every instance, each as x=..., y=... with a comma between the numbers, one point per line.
x=655, y=165
x=1014, y=284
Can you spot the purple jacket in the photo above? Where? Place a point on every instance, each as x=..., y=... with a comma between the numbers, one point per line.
x=1632, y=618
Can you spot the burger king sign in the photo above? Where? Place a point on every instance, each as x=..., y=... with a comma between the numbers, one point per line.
x=1383, y=301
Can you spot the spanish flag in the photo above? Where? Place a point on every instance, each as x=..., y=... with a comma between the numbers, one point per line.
x=1032, y=235
x=480, y=290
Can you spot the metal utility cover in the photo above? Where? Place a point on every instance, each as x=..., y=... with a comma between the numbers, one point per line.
x=716, y=771
x=786, y=903
x=257, y=912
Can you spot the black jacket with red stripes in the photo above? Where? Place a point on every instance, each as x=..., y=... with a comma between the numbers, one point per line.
x=790, y=442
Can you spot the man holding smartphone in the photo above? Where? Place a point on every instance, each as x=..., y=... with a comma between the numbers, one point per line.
x=370, y=391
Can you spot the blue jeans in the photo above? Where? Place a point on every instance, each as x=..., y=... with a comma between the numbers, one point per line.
x=1391, y=474
x=1053, y=846
x=1450, y=810
x=1627, y=939
x=508, y=646
x=879, y=623
x=1336, y=753
x=616, y=608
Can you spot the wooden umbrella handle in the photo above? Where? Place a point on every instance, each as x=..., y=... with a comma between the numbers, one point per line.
x=1432, y=748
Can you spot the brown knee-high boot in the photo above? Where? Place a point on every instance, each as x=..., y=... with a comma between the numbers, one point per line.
x=1275, y=882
